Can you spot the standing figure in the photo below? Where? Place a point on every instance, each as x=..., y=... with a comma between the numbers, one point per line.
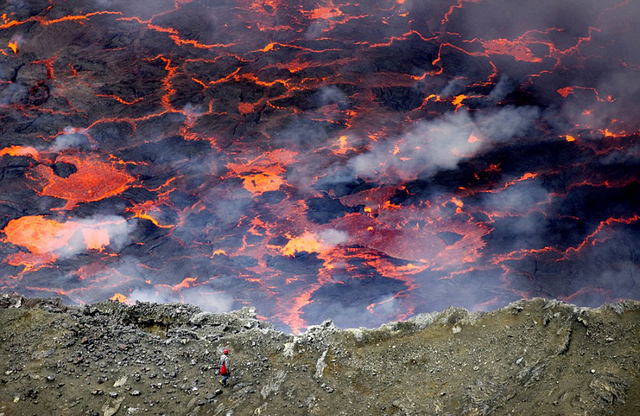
x=225, y=369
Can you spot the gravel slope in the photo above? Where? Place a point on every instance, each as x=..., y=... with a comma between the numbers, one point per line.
x=535, y=357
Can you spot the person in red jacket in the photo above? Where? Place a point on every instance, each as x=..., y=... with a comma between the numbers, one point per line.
x=225, y=369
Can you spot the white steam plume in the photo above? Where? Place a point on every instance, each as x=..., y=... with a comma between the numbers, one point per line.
x=443, y=142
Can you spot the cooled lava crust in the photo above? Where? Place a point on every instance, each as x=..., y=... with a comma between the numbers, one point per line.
x=359, y=161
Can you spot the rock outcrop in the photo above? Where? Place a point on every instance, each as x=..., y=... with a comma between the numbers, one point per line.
x=538, y=357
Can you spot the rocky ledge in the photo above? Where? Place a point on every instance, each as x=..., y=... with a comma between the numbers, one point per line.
x=538, y=357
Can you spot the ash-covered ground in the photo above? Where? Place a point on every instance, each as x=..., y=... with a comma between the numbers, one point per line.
x=363, y=162
x=538, y=357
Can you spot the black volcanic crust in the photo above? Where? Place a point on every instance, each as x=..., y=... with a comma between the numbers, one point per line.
x=535, y=357
x=321, y=159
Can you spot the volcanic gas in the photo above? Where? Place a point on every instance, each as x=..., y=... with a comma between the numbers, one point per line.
x=362, y=161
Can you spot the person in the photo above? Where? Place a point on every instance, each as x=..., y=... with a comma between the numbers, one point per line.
x=225, y=369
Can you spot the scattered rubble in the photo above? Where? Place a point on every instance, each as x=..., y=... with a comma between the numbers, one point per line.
x=537, y=357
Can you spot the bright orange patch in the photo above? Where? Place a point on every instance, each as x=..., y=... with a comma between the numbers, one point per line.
x=38, y=234
x=94, y=180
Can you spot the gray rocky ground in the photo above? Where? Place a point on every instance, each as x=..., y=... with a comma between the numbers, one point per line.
x=537, y=357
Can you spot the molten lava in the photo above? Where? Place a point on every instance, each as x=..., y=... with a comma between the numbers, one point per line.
x=38, y=234
x=94, y=180
x=359, y=161
x=43, y=236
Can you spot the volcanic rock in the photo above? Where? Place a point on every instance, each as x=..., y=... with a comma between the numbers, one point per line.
x=362, y=162
x=535, y=357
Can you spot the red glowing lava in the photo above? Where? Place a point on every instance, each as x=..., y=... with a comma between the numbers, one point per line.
x=38, y=234
x=49, y=238
x=362, y=161
x=94, y=180
x=44, y=238
x=264, y=173
x=13, y=46
x=119, y=297
x=19, y=151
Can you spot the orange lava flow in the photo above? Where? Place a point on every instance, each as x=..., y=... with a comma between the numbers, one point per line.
x=174, y=35
x=517, y=49
x=119, y=99
x=457, y=101
x=119, y=297
x=525, y=177
x=565, y=92
x=146, y=210
x=277, y=128
x=246, y=108
x=47, y=239
x=31, y=262
x=38, y=234
x=48, y=63
x=268, y=180
x=323, y=12
x=603, y=228
x=292, y=317
x=262, y=174
x=445, y=19
x=19, y=151
x=306, y=242
x=94, y=180
x=44, y=22
x=41, y=235
x=96, y=239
